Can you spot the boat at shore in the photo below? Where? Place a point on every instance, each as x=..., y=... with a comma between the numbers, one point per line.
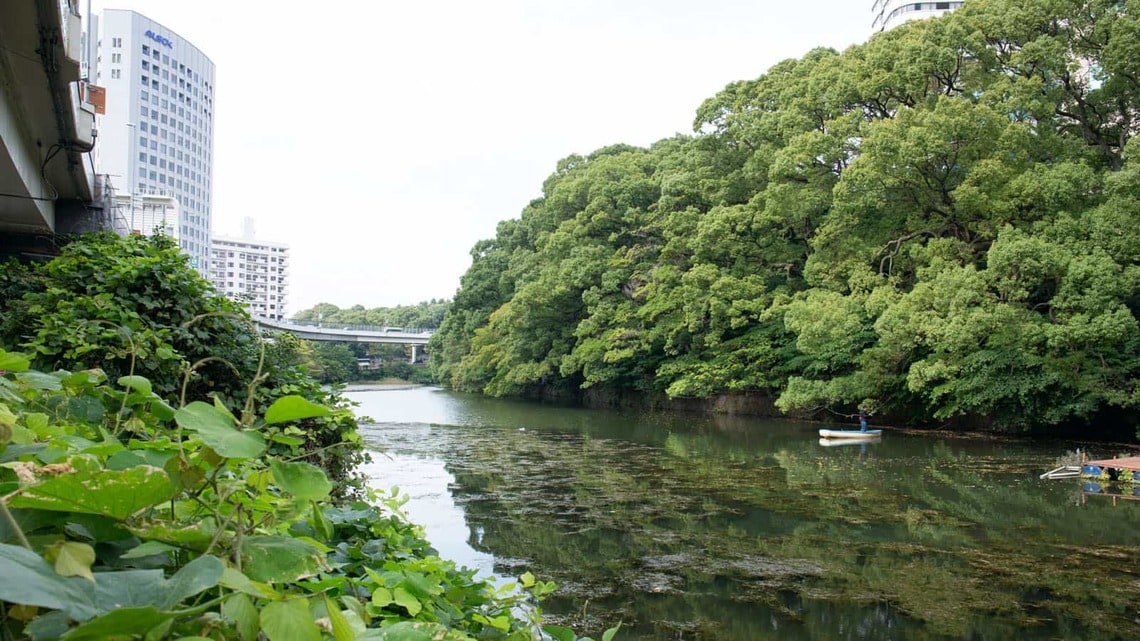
x=856, y=435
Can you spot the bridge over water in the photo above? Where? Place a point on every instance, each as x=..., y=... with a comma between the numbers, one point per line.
x=347, y=333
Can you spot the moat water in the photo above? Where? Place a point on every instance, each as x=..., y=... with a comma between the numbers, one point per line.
x=695, y=527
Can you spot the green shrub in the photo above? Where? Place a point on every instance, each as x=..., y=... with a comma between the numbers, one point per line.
x=124, y=517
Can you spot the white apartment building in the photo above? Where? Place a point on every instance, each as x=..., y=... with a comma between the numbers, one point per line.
x=157, y=136
x=889, y=14
x=253, y=272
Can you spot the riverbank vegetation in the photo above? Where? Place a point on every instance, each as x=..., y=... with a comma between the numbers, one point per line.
x=166, y=472
x=938, y=224
x=336, y=363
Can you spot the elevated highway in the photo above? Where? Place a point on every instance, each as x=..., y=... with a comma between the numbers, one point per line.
x=347, y=333
x=47, y=125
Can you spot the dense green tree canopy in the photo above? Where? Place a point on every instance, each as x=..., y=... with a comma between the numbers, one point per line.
x=424, y=315
x=939, y=223
x=129, y=306
x=132, y=306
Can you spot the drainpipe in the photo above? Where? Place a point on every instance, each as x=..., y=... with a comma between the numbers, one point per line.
x=51, y=49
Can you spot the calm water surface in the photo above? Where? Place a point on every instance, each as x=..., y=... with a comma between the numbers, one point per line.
x=688, y=527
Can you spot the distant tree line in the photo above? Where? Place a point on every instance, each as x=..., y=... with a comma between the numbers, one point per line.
x=940, y=223
x=424, y=315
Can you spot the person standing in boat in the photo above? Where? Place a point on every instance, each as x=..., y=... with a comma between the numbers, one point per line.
x=862, y=419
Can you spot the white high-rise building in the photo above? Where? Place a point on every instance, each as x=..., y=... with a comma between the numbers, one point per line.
x=150, y=214
x=889, y=14
x=157, y=137
x=253, y=272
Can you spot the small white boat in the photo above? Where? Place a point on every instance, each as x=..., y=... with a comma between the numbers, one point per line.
x=844, y=442
x=857, y=435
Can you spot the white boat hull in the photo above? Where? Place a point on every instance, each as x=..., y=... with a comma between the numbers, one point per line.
x=855, y=435
x=847, y=442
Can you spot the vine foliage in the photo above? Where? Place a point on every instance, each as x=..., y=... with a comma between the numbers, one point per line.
x=125, y=517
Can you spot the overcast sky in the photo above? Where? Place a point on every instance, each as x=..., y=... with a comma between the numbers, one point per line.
x=380, y=140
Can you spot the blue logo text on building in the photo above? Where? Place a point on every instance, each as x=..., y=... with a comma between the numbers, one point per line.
x=162, y=40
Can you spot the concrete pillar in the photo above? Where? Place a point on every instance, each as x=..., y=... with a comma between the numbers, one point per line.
x=414, y=353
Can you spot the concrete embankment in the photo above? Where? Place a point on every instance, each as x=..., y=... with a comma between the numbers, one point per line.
x=380, y=387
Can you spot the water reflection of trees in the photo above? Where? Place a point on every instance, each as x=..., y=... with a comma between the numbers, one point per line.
x=697, y=533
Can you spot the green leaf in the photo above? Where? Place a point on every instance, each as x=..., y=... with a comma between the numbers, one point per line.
x=608, y=635
x=39, y=380
x=289, y=621
x=29, y=580
x=421, y=586
x=379, y=579
x=124, y=622
x=239, y=582
x=36, y=422
x=52, y=624
x=382, y=597
x=291, y=441
x=139, y=384
x=195, y=536
x=305, y=481
x=7, y=418
x=149, y=548
x=13, y=362
x=320, y=524
x=405, y=599
x=240, y=610
x=293, y=408
x=114, y=493
x=317, y=545
x=342, y=630
x=161, y=410
x=418, y=631
x=20, y=434
x=221, y=407
x=559, y=633
x=125, y=459
x=217, y=430
x=86, y=408
x=275, y=559
x=501, y=623
x=354, y=611
x=195, y=577
x=75, y=559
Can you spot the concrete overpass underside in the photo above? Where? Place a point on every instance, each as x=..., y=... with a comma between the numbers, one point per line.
x=46, y=127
